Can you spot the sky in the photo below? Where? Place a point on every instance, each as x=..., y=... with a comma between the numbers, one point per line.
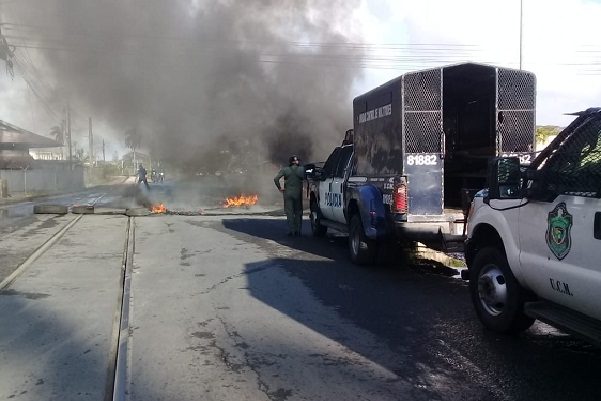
x=273, y=76
x=559, y=43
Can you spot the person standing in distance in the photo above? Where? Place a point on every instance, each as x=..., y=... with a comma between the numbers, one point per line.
x=293, y=194
x=142, y=176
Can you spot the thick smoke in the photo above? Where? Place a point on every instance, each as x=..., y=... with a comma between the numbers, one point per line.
x=205, y=83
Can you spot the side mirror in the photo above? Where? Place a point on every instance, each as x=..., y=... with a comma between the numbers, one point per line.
x=505, y=178
x=542, y=187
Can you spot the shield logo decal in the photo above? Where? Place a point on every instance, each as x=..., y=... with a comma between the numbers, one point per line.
x=558, y=234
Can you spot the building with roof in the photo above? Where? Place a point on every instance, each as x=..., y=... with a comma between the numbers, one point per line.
x=15, y=144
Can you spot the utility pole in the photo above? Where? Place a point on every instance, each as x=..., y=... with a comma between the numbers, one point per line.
x=69, y=136
x=521, y=29
x=91, y=143
x=63, y=132
x=150, y=153
x=103, y=150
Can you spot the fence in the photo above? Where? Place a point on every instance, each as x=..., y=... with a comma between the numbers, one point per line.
x=44, y=181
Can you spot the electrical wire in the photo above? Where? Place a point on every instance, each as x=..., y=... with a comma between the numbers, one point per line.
x=392, y=56
x=376, y=56
x=34, y=88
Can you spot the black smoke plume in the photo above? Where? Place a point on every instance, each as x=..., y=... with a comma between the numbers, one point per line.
x=205, y=83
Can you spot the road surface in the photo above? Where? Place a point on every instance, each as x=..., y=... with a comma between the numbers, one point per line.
x=225, y=306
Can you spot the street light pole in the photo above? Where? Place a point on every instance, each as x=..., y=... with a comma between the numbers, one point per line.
x=91, y=144
x=69, y=136
x=521, y=29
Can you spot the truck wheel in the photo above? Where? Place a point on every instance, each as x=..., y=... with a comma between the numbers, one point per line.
x=363, y=249
x=316, y=228
x=497, y=296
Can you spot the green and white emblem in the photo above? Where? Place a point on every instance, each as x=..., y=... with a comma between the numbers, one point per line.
x=558, y=231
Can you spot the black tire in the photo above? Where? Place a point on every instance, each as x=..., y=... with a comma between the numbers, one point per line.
x=82, y=209
x=138, y=211
x=50, y=209
x=315, y=216
x=497, y=296
x=363, y=249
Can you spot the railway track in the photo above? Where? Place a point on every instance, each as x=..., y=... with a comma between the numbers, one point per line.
x=115, y=388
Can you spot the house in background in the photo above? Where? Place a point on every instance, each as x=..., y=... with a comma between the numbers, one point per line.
x=20, y=172
x=129, y=164
x=15, y=146
x=47, y=154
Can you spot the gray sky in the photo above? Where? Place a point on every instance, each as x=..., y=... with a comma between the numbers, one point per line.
x=190, y=76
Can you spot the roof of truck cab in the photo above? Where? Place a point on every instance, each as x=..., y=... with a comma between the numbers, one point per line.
x=590, y=110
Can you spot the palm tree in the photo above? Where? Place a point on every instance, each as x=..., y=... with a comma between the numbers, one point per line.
x=59, y=134
x=133, y=139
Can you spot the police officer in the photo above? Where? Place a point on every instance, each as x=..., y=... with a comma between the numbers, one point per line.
x=293, y=194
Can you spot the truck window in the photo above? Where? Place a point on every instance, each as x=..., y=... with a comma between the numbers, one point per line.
x=329, y=168
x=345, y=156
x=576, y=167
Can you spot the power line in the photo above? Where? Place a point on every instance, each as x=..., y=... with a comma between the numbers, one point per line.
x=392, y=56
x=126, y=47
x=33, y=87
x=371, y=59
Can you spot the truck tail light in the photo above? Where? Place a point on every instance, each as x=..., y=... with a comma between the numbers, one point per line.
x=400, y=198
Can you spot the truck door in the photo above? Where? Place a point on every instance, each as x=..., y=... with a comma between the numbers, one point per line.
x=516, y=114
x=561, y=240
x=326, y=189
x=422, y=141
x=338, y=204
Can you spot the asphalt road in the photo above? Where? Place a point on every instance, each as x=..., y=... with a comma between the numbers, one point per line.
x=223, y=305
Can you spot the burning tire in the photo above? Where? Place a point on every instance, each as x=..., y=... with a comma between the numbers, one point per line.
x=138, y=211
x=50, y=209
x=82, y=209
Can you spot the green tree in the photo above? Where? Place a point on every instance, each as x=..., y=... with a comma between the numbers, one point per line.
x=543, y=132
x=133, y=140
x=78, y=152
x=59, y=134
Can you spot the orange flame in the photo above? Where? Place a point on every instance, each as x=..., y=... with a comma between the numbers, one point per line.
x=160, y=208
x=241, y=200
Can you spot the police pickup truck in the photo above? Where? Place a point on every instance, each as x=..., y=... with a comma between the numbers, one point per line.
x=419, y=143
x=531, y=248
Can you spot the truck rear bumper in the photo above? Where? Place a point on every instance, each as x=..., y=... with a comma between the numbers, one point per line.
x=436, y=234
x=428, y=228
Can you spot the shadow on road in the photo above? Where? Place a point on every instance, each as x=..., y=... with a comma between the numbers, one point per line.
x=46, y=361
x=426, y=321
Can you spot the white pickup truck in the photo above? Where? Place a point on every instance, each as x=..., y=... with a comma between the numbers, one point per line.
x=533, y=245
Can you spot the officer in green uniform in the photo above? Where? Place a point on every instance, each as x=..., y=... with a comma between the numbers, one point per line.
x=293, y=194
